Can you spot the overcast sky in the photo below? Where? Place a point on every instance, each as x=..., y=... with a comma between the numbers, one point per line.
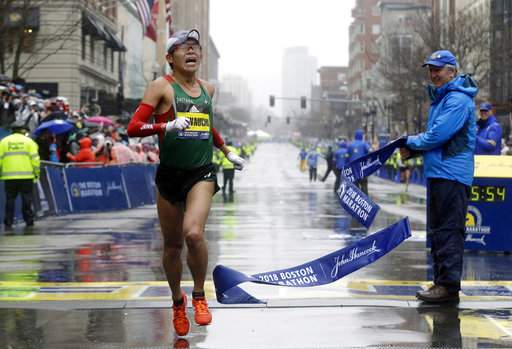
x=251, y=36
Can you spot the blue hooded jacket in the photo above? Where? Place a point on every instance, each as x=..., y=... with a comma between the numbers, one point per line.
x=341, y=155
x=313, y=158
x=303, y=154
x=358, y=147
x=488, y=130
x=448, y=144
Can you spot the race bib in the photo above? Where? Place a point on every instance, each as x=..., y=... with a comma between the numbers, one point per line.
x=199, y=126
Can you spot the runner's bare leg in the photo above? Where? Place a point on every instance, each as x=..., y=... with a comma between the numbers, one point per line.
x=171, y=222
x=199, y=200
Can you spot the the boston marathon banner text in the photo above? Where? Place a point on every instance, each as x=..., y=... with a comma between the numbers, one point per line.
x=355, y=202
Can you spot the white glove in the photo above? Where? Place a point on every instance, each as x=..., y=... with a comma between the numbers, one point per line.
x=236, y=160
x=180, y=124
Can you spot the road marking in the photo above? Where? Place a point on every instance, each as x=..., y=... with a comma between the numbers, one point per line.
x=159, y=290
x=498, y=325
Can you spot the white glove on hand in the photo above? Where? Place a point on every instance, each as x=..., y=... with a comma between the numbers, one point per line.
x=180, y=124
x=236, y=160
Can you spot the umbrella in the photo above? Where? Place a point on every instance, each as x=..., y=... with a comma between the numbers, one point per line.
x=102, y=120
x=122, y=154
x=56, y=126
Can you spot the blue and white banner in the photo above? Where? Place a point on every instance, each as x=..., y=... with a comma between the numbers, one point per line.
x=355, y=202
x=369, y=163
x=321, y=271
x=96, y=189
x=336, y=265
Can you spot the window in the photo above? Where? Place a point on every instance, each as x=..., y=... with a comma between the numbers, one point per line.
x=400, y=49
x=112, y=61
x=105, y=61
x=84, y=47
x=91, y=48
x=376, y=29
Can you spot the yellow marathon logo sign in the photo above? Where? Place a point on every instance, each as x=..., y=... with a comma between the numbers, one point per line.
x=199, y=122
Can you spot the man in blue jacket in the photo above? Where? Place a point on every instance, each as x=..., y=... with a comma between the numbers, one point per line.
x=340, y=159
x=313, y=163
x=447, y=147
x=357, y=148
x=488, y=136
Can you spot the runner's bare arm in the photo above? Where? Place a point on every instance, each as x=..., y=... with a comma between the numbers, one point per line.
x=218, y=142
x=156, y=98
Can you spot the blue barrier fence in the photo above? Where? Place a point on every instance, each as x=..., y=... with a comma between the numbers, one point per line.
x=63, y=190
x=393, y=174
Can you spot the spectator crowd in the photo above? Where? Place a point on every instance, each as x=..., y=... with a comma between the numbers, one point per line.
x=86, y=139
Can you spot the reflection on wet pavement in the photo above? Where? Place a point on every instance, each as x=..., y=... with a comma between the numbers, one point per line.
x=260, y=328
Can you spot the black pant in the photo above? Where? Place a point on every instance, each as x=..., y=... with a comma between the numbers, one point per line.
x=446, y=225
x=13, y=187
x=337, y=183
x=229, y=175
x=312, y=173
x=329, y=169
x=363, y=185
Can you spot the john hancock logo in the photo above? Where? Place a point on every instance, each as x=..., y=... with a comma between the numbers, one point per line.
x=354, y=254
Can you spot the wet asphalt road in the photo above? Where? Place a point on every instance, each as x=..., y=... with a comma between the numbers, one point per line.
x=275, y=219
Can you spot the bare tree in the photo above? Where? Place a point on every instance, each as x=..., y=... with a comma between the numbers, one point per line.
x=23, y=48
x=470, y=42
x=402, y=52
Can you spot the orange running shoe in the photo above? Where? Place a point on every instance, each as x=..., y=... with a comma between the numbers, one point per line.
x=202, y=314
x=179, y=317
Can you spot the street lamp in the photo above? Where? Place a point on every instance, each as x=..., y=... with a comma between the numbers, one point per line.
x=388, y=106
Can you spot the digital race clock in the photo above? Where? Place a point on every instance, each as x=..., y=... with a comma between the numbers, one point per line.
x=488, y=193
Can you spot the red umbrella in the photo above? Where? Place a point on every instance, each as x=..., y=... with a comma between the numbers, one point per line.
x=102, y=120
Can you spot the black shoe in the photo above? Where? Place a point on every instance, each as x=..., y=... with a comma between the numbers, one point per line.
x=437, y=294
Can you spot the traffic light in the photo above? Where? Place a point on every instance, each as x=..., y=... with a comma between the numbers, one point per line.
x=272, y=100
x=269, y=119
x=287, y=120
x=303, y=102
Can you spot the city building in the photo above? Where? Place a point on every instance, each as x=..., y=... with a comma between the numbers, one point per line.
x=213, y=62
x=477, y=61
x=195, y=14
x=138, y=62
x=79, y=57
x=334, y=105
x=299, y=74
x=363, y=54
x=234, y=92
x=501, y=69
x=394, y=98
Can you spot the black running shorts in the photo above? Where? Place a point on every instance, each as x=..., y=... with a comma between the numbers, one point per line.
x=174, y=184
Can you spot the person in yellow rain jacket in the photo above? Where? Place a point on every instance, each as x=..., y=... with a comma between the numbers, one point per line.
x=19, y=167
x=228, y=169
